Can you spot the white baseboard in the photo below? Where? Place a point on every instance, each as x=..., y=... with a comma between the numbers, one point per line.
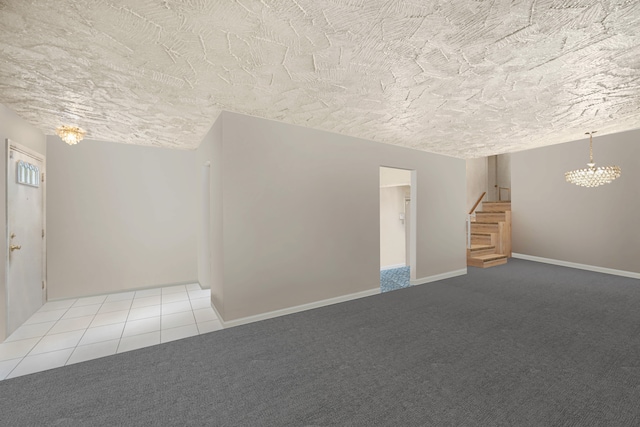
x=442, y=276
x=391, y=267
x=297, y=308
x=200, y=284
x=215, y=310
x=595, y=268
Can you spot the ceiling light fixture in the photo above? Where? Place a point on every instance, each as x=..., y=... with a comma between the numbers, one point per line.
x=70, y=134
x=592, y=176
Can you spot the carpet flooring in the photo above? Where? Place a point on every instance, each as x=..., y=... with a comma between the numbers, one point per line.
x=394, y=279
x=524, y=344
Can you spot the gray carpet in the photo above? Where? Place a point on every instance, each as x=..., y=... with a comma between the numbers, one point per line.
x=521, y=344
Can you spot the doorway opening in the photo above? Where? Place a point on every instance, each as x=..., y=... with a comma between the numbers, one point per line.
x=397, y=227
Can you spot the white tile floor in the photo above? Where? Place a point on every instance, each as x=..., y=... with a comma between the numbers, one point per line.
x=75, y=330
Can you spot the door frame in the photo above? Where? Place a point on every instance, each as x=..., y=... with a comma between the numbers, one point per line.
x=12, y=145
x=413, y=218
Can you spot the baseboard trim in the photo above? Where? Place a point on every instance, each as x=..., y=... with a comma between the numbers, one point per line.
x=297, y=308
x=215, y=310
x=391, y=267
x=437, y=277
x=595, y=268
x=200, y=284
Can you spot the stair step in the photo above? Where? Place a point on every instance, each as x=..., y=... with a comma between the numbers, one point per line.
x=496, y=206
x=484, y=227
x=483, y=238
x=482, y=216
x=476, y=250
x=485, y=261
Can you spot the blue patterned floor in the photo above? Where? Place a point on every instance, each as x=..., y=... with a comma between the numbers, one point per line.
x=394, y=279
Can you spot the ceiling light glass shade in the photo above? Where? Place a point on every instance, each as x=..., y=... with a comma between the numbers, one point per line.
x=593, y=176
x=70, y=134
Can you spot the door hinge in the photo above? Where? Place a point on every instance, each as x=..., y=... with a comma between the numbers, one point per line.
x=43, y=284
x=42, y=176
x=43, y=232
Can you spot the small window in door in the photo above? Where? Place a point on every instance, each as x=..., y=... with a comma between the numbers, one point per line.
x=28, y=174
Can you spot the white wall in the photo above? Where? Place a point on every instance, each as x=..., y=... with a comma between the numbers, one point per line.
x=301, y=214
x=393, y=177
x=210, y=267
x=392, y=229
x=503, y=173
x=561, y=221
x=18, y=130
x=119, y=217
x=477, y=180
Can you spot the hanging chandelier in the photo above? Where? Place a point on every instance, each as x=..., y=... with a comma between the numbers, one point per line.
x=592, y=176
x=70, y=134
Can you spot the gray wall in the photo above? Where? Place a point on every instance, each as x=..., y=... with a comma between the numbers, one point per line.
x=503, y=173
x=477, y=180
x=210, y=266
x=18, y=130
x=119, y=217
x=301, y=214
x=561, y=221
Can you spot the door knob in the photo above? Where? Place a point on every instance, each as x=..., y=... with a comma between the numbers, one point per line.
x=15, y=248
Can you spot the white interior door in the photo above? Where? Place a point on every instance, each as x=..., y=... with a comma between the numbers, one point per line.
x=25, y=229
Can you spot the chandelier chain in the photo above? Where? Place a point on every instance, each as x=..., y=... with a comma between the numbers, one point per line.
x=591, y=144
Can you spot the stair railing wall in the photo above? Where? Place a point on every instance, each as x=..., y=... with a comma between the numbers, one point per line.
x=471, y=215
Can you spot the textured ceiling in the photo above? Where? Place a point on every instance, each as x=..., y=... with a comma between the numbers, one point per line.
x=465, y=78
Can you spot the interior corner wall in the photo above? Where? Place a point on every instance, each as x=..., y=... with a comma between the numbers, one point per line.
x=561, y=221
x=210, y=256
x=301, y=214
x=477, y=180
x=18, y=130
x=119, y=217
x=503, y=171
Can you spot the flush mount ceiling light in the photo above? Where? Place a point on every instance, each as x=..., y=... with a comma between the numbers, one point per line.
x=592, y=176
x=70, y=134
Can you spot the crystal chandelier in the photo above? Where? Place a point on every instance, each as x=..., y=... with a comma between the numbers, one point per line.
x=70, y=134
x=592, y=176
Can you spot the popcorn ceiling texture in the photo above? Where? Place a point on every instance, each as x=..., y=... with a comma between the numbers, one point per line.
x=465, y=78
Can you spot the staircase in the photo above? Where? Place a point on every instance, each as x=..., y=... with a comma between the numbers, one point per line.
x=490, y=235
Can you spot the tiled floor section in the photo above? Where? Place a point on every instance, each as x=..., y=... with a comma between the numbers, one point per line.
x=394, y=279
x=75, y=330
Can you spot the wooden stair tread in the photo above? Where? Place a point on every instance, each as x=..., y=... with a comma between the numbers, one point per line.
x=489, y=257
x=479, y=247
x=485, y=227
x=475, y=262
x=496, y=207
